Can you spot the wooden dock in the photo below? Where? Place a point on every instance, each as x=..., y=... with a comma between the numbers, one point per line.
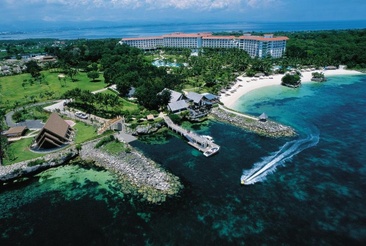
x=197, y=141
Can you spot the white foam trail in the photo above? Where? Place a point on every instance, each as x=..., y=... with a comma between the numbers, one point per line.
x=268, y=165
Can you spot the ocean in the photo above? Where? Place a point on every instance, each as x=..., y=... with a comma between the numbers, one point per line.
x=123, y=30
x=313, y=194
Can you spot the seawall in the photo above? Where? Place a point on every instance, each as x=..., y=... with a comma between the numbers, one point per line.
x=138, y=174
x=266, y=128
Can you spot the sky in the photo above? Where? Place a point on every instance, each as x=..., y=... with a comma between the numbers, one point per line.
x=23, y=12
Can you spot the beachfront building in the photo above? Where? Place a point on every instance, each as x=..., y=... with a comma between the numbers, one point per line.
x=268, y=45
x=197, y=105
x=178, y=106
x=220, y=42
x=174, y=95
x=147, y=43
x=184, y=40
x=255, y=46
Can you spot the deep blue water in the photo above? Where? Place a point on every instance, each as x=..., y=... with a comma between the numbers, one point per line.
x=316, y=198
x=99, y=31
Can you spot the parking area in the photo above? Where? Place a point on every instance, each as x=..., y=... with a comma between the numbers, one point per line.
x=61, y=108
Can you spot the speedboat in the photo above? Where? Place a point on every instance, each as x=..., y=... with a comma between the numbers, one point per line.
x=211, y=151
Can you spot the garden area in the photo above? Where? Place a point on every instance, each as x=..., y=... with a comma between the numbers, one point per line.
x=23, y=89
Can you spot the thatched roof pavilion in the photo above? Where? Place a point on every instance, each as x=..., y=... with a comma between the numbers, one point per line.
x=263, y=117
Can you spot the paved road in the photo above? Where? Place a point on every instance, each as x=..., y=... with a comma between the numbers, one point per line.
x=31, y=124
x=124, y=137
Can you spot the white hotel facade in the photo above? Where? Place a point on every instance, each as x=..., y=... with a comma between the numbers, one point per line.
x=255, y=46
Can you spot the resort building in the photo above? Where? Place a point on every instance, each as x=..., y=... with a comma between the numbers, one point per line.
x=220, y=42
x=16, y=131
x=178, y=106
x=197, y=105
x=255, y=46
x=174, y=95
x=55, y=133
x=268, y=45
x=148, y=43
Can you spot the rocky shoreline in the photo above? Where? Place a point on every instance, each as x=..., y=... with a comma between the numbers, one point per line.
x=138, y=174
x=266, y=128
x=31, y=167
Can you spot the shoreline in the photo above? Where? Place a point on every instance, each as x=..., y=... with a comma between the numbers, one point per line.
x=267, y=128
x=242, y=87
x=138, y=174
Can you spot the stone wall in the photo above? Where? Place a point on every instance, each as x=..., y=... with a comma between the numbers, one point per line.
x=144, y=176
x=267, y=128
x=24, y=168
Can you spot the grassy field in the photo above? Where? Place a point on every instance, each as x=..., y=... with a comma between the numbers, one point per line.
x=21, y=152
x=21, y=89
x=114, y=147
x=124, y=104
x=84, y=132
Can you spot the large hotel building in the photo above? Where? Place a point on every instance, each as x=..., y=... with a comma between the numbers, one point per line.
x=255, y=46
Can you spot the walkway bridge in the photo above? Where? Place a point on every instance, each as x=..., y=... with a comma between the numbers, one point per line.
x=113, y=124
x=197, y=141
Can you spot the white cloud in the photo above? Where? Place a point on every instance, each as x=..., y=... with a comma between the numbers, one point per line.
x=153, y=4
x=178, y=4
x=260, y=3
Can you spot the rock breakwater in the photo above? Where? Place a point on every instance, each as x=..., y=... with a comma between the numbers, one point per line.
x=266, y=128
x=138, y=174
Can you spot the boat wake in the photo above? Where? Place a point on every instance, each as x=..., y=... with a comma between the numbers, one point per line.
x=268, y=165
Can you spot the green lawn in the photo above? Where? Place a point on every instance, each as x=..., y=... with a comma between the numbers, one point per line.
x=110, y=92
x=84, y=132
x=18, y=90
x=20, y=150
x=129, y=106
x=114, y=147
x=124, y=104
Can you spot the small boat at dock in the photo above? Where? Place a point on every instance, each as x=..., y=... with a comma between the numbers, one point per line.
x=211, y=151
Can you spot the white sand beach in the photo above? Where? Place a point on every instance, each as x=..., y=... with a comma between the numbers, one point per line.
x=247, y=84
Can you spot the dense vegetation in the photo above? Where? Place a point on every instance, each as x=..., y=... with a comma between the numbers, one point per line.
x=90, y=63
x=291, y=80
x=17, y=48
x=211, y=70
x=322, y=48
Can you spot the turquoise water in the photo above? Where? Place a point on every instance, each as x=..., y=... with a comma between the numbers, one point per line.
x=316, y=196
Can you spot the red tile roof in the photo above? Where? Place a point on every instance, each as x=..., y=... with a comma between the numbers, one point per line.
x=219, y=37
x=186, y=35
x=261, y=38
x=142, y=38
x=266, y=37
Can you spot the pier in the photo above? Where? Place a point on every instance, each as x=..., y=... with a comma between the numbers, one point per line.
x=202, y=143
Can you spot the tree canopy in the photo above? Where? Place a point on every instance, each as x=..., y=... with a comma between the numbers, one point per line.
x=291, y=80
